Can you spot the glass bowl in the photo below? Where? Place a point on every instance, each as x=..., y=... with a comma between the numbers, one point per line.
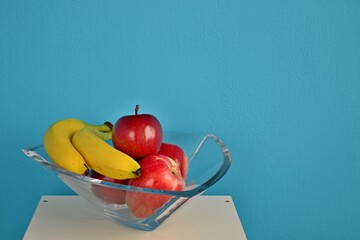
x=209, y=160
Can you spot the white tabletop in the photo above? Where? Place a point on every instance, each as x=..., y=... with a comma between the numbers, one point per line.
x=71, y=217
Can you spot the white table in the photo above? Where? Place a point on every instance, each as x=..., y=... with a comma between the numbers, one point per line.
x=71, y=217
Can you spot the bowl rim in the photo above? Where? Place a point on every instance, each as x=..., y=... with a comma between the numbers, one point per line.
x=189, y=191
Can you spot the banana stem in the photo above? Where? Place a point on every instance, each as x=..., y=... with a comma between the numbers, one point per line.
x=106, y=135
x=109, y=125
x=106, y=127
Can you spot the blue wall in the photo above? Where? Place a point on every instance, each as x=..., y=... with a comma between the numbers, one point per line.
x=278, y=81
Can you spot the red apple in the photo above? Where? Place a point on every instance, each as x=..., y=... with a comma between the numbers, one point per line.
x=176, y=153
x=157, y=172
x=137, y=135
x=108, y=194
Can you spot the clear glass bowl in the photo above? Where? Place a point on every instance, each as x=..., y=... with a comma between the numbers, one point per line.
x=209, y=160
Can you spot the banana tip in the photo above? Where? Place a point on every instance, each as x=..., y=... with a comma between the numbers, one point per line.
x=137, y=173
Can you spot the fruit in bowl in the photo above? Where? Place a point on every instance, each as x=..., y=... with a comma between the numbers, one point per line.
x=138, y=135
x=75, y=146
x=108, y=194
x=139, y=192
x=177, y=154
x=157, y=172
x=210, y=160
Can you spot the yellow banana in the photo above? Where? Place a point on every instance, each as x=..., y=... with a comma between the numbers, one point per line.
x=102, y=157
x=57, y=143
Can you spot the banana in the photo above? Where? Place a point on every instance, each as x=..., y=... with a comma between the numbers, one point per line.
x=57, y=143
x=102, y=157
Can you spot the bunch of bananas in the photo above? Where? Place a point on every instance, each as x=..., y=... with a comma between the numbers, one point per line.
x=77, y=146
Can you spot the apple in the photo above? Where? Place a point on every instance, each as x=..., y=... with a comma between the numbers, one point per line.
x=157, y=172
x=108, y=194
x=176, y=153
x=137, y=135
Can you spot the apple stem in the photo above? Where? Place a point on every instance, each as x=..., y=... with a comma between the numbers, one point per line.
x=136, y=109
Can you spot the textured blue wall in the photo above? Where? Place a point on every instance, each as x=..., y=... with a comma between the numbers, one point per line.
x=278, y=81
